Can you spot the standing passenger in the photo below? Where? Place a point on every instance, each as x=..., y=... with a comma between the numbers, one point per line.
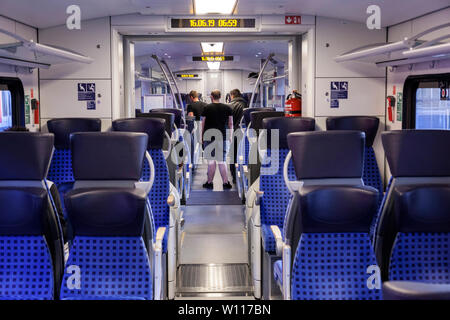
x=217, y=117
x=196, y=107
x=237, y=104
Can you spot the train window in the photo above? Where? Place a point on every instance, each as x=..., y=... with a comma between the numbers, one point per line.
x=5, y=110
x=432, y=109
x=12, y=109
x=426, y=102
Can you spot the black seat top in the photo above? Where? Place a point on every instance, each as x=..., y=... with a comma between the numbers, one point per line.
x=247, y=111
x=327, y=154
x=337, y=208
x=23, y=210
x=167, y=116
x=25, y=155
x=63, y=127
x=176, y=112
x=108, y=155
x=257, y=118
x=418, y=153
x=361, y=123
x=106, y=212
x=153, y=127
x=287, y=125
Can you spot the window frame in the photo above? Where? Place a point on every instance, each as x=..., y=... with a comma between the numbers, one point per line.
x=409, y=95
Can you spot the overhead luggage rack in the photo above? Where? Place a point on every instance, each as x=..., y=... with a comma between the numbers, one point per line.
x=407, y=51
x=27, y=53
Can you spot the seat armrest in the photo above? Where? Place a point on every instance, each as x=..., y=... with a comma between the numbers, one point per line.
x=159, y=238
x=157, y=263
x=259, y=195
x=278, y=239
x=171, y=200
x=413, y=290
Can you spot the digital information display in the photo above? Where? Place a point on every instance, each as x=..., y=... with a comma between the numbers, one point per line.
x=187, y=76
x=212, y=58
x=212, y=24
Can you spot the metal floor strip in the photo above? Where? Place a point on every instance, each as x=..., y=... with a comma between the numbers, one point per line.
x=214, y=278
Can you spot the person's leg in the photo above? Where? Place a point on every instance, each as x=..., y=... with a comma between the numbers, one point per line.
x=211, y=170
x=223, y=172
x=232, y=165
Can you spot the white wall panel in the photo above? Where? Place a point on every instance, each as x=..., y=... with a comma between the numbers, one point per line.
x=343, y=36
x=423, y=23
x=232, y=80
x=365, y=97
x=398, y=76
x=93, y=33
x=29, y=80
x=59, y=99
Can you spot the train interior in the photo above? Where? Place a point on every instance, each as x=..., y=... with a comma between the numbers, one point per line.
x=339, y=160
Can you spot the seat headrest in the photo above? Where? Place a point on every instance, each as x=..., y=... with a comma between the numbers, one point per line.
x=25, y=155
x=248, y=111
x=62, y=128
x=22, y=211
x=361, y=123
x=327, y=154
x=108, y=155
x=418, y=153
x=337, y=209
x=176, y=112
x=106, y=212
x=168, y=117
x=287, y=125
x=257, y=118
x=422, y=208
x=153, y=127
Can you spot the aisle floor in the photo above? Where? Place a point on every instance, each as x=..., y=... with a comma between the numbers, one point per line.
x=214, y=252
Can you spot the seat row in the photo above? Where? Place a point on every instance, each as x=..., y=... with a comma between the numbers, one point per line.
x=111, y=230
x=320, y=226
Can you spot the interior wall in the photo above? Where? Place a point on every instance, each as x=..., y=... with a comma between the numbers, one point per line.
x=30, y=81
x=59, y=93
x=366, y=82
x=397, y=76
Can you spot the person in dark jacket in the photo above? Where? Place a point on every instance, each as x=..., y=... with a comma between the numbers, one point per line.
x=237, y=104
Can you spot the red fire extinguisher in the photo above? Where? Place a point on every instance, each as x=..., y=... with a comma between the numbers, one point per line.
x=35, y=108
x=293, y=105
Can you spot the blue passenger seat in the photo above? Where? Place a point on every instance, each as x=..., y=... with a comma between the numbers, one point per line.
x=413, y=232
x=369, y=125
x=327, y=226
x=244, y=150
x=276, y=196
x=31, y=241
x=109, y=258
x=60, y=171
x=154, y=128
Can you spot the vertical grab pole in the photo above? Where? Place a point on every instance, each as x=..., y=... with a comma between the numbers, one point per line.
x=259, y=78
x=178, y=91
x=155, y=57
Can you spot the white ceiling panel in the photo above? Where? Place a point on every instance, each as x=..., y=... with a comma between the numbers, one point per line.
x=46, y=13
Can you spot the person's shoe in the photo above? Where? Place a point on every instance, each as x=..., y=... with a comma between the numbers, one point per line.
x=227, y=185
x=208, y=185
